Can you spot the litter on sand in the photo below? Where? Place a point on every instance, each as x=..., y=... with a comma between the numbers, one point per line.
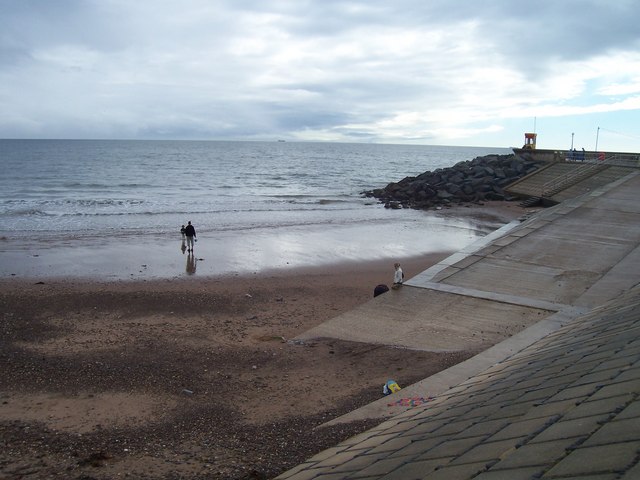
x=410, y=402
x=390, y=387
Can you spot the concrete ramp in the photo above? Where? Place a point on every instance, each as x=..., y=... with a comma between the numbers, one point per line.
x=428, y=319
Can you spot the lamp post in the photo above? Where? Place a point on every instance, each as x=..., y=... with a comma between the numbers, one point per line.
x=572, y=134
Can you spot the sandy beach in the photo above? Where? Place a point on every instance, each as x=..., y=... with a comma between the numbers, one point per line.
x=195, y=377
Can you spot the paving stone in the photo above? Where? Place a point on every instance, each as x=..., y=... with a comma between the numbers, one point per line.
x=592, y=460
x=379, y=468
x=415, y=469
x=615, y=389
x=372, y=442
x=604, y=354
x=513, y=410
x=426, y=427
x=478, y=398
x=390, y=423
x=483, y=427
x=598, y=407
x=435, y=407
x=582, y=367
x=548, y=409
x=600, y=376
x=556, y=370
x=543, y=392
x=534, y=382
x=565, y=379
x=454, y=427
x=405, y=426
x=458, y=472
x=450, y=448
x=339, y=459
x=329, y=476
x=618, y=431
x=614, y=363
x=565, y=361
x=631, y=411
x=508, y=396
x=455, y=412
x=579, y=392
x=629, y=375
x=407, y=415
x=570, y=428
x=487, y=410
x=522, y=429
x=328, y=453
x=360, y=437
x=631, y=350
x=632, y=474
x=539, y=394
x=604, y=476
x=418, y=447
x=515, y=376
x=395, y=444
x=358, y=463
x=526, y=473
x=488, y=451
x=500, y=387
x=535, y=454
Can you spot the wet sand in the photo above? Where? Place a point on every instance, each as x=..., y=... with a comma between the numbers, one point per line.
x=148, y=257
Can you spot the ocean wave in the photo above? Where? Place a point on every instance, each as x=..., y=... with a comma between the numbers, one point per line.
x=266, y=208
x=103, y=186
x=102, y=202
x=28, y=212
x=326, y=201
x=86, y=230
x=312, y=199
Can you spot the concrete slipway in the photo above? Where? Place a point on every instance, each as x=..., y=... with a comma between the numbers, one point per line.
x=556, y=289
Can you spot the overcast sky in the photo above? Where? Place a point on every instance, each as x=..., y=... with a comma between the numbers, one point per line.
x=447, y=72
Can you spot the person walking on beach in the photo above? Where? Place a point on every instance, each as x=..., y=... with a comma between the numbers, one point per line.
x=190, y=232
x=398, y=276
x=183, y=245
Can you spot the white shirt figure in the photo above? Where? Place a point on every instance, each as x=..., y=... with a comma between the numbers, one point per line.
x=398, y=276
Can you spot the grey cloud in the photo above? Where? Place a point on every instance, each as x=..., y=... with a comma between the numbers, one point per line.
x=166, y=69
x=35, y=23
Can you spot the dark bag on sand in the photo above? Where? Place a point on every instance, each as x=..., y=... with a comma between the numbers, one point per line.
x=380, y=289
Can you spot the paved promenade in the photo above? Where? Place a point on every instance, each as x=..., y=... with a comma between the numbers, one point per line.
x=553, y=302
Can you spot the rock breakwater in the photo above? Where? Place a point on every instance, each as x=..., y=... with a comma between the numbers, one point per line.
x=483, y=178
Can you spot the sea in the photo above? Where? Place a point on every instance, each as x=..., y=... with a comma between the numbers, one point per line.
x=67, y=207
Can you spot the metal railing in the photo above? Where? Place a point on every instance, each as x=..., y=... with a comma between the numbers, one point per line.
x=619, y=159
x=570, y=178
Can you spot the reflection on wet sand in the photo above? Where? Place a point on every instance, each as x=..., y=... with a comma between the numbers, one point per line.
x=191, y=264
